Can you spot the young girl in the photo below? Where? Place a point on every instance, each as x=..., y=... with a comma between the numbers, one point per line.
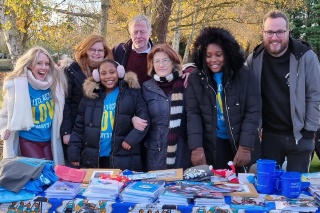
x=32, y=108
x=103, y=135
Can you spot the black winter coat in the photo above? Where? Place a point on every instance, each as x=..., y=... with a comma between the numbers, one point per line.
x=159, y=105
x=86, y=132
x=122, y=50
x=75, y=78
x=242, y=110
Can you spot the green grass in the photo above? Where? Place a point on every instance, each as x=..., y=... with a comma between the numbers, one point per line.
x=315, y=164
x=5, y=65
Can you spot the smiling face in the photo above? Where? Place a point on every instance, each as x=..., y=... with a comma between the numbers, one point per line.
x=276, y=45
x=96, y=52
x=108, y=76
x=162, y=64
x=41, y=67
x=140, y=35
x=214, y=57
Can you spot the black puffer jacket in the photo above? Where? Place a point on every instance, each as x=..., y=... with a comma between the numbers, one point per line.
x=87, y=128
x=241, y=99
x=75, y=78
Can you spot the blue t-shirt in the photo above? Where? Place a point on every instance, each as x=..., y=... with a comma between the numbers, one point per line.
x=107, y=122
x=42, y=106
x=222, y=131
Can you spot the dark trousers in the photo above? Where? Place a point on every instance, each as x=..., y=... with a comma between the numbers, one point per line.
x=34, y=149
x=224, y=154
x=277, y=147
x=104, y=162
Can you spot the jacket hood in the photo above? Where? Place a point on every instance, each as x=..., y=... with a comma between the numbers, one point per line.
x=65, y=62
x=91, y=88
x=298, y=48
x=233, y=54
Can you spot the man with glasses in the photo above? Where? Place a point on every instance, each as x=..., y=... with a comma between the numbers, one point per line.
x=133, y=54
x=289, y=76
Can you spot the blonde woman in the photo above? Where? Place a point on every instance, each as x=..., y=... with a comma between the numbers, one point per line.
x=32, y=108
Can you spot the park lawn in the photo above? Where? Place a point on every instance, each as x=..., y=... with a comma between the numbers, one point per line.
x=5, y=65
x=315, y=164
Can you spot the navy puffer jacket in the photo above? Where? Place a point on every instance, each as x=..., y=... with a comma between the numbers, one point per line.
x=84, y=146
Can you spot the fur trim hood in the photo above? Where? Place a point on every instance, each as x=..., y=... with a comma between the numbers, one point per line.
x=233, y=54
x=65, y=62
x=91, y=88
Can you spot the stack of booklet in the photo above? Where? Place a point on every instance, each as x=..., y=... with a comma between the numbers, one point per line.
x=253, y=204
x=63, y=190
x=142, y=191
x=297, y=204
x=303, y=203
x=314, y=189
x=102, y=189
x=183, y=192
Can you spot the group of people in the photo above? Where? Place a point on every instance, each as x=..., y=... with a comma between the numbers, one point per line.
x=136, y=106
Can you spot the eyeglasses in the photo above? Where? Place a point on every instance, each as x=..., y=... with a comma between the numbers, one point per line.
x=164, y=62
x=99, y=51
x=279, y=33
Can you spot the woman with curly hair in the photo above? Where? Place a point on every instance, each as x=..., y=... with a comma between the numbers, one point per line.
x=88, y=55
x=223, y=103
x=32, y=108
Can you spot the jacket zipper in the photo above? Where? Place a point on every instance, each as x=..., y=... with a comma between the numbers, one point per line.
x=295, y=100
x=227, y=112
x=114, y=128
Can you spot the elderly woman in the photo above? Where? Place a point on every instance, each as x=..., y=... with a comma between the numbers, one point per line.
x=166, y=141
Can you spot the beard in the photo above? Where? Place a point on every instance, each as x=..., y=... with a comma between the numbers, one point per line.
x=276, y=50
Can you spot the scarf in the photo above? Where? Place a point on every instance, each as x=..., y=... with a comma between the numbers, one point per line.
x=37, y=84
x=175, y=115
x=168, y=78
x=20, y=119
x=176, y=110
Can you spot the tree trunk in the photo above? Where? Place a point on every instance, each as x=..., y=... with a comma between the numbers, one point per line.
x=12, y=35
x=187, y=50
x=160, y=18
x=177, y=32
x=105, y=5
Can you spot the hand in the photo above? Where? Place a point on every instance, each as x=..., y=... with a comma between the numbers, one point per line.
x=66, y=139
x=260, y=133
x=185, y=75
x=6, y=135
x=75, y=163
x=125, y=145
x=139, y=123
x=198, y=157
x=243, y=156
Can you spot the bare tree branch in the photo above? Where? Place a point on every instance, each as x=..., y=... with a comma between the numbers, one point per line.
x=67, y=12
